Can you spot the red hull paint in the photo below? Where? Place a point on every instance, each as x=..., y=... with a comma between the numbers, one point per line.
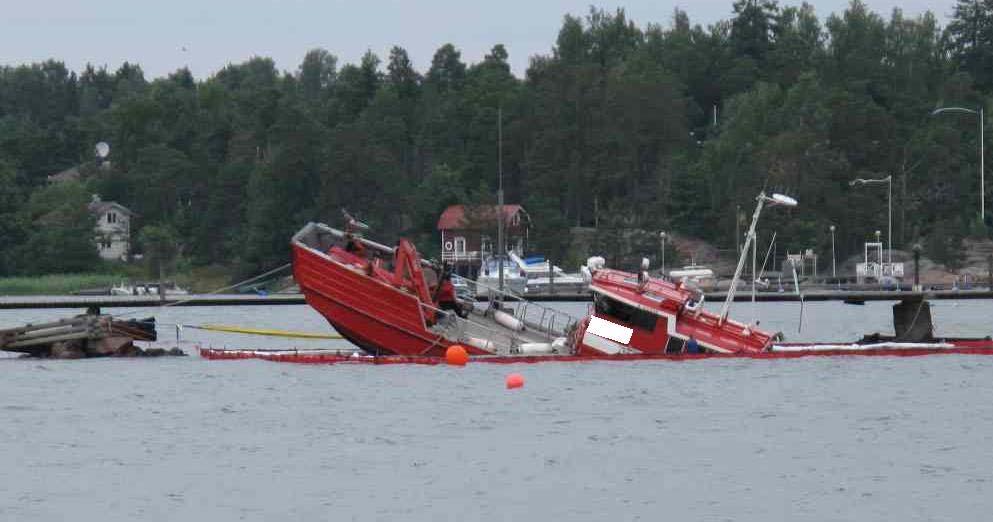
x=965, y=348
x=371, y=312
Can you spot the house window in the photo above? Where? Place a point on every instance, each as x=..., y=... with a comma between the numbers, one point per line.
x=486, y=244
x=460, y=245
x=111, y=217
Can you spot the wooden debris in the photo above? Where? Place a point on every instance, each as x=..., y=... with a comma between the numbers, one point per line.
x=87, y=335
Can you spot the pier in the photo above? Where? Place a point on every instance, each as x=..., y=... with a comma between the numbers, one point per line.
x=129, y=301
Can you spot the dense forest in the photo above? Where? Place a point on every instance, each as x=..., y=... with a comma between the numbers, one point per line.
x=621, y=126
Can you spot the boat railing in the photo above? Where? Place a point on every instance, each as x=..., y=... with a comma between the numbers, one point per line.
x=457, y=328
x=550, y=323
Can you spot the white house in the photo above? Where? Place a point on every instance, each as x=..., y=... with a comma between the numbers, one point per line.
x=113, y=228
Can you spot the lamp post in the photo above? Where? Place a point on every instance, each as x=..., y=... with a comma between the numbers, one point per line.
x=889, y=181
x=834, y=274
x=982, y=155
x=662, y=236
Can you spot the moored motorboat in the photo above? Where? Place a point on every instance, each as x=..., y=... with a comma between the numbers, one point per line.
x=148, y=288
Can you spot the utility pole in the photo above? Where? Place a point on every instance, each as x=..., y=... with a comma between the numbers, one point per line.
x=889, y=213
x=834, y=274
x=500, y=240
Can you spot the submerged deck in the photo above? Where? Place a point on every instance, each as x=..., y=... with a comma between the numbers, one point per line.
x=482, y=330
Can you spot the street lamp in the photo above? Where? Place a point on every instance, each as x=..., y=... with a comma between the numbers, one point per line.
x=834, y=274
x=888, y=180
x=662, y=236
x=762, y=199
x=982, y=156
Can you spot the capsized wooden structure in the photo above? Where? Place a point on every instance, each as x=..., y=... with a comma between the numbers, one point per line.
x=87, y=335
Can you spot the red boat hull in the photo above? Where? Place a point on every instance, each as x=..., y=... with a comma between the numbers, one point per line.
x=376, y=317
x=370, y=311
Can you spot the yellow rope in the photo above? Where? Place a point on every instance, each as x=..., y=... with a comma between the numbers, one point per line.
x=264, y=331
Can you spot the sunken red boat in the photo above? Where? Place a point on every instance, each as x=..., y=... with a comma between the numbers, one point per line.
x=384, y=300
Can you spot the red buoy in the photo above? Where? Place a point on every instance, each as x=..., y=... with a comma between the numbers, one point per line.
x=456, y=355
x=515, y=380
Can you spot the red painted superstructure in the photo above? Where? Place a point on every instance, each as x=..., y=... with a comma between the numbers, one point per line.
x=662, y=316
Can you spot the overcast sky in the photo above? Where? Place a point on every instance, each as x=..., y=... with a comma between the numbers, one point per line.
x=205, y=35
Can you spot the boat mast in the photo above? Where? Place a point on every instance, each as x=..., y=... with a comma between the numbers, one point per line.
x=500, y=246
x=749, y=237
x=776, y=199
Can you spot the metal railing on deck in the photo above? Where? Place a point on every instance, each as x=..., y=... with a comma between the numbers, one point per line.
x=456, y=328
x=551, y=323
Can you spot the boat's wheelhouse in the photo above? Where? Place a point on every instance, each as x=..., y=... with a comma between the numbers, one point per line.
x=633, y=314
x=649, y=329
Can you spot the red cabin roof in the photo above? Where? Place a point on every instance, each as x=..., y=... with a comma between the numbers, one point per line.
x=454, y=217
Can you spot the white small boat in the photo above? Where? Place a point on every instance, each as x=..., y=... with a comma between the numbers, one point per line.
x=701, y=276
x=171, y=289
x=537, y=273
x=514, y=279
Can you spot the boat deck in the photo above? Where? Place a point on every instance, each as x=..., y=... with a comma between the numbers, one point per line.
x=482, y=330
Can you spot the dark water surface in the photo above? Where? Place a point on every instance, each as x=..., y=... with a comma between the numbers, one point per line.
x=815, y=439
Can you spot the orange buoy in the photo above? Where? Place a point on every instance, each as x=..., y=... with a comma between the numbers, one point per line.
x=456, y=355
x=515, y=380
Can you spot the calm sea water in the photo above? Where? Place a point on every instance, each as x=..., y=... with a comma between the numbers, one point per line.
x=813, y=439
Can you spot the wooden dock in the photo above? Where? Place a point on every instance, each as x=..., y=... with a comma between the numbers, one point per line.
x=129, y=301
x=853, y=296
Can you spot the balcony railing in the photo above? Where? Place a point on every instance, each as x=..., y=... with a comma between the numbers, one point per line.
x=474, y=255
x=878, y=270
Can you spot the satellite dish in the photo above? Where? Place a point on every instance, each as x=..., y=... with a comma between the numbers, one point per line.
x=102, y=149
x=786, y=201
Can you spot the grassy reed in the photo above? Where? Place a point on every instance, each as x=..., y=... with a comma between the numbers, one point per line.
x=56, y=284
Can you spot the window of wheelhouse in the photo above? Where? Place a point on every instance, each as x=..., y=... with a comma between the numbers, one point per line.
x=625, y=313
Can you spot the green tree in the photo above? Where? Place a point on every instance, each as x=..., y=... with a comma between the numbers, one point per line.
x=160, y=244
x=970, y=39
x=12, y=230
x=60, y=235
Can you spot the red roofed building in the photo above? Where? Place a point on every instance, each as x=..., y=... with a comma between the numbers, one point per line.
x=469, y=233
